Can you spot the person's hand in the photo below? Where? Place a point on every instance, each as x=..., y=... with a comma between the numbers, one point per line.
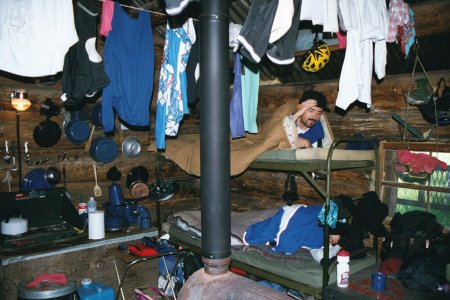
x=303, y=143
x=303, y=107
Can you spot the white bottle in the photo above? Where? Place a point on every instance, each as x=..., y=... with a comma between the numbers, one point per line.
x=343, y=269
x=91, y=205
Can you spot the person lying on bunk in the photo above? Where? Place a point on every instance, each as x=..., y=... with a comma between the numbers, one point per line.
x=309, y=129
x=294, y=227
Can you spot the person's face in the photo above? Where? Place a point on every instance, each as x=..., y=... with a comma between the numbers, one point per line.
x=311, y=116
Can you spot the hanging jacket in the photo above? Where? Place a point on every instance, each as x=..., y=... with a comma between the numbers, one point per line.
x=83, y=73
x=290, y=228
x=255, y=33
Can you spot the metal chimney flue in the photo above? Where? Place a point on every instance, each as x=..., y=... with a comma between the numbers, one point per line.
x=215, y=135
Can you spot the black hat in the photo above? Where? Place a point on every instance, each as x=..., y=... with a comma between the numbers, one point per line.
x=319, y=97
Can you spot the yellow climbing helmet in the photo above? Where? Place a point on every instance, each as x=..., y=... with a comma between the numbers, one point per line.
x=316, y=58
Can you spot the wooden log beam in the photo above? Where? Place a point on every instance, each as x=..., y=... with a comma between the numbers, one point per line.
x=431, y=17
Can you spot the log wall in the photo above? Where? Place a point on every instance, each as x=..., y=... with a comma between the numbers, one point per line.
x=387, y=97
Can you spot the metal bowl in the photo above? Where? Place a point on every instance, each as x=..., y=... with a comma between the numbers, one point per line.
x=131, y=146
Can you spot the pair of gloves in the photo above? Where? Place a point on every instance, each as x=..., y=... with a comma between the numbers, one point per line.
x=142, y=250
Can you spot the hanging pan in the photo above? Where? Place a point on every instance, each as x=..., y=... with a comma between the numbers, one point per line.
x=47, y=133
x=77, y=131
x=103, y=149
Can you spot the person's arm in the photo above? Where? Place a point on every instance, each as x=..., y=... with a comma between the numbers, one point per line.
x=303, y=107
x=303, y=143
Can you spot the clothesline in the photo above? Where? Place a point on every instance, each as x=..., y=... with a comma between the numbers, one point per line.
x=143, y=9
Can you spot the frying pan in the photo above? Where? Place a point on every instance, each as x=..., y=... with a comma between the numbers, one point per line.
x=47, y=133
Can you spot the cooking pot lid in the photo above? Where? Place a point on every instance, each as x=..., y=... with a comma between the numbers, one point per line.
x=47, y=133
x=104, y=150
x=137, y=174
x=46, y=289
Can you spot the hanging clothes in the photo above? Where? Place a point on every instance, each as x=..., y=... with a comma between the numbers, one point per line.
x=193, y=70
x=35, y=36
x=236, y=114
x=172, y=95
x=407, y=34
x=366, y=24
x=250, y=89
x=282, y=20
x=107, y=15
x=321, y=12
x=129, y=63
x=83, y=72
x=175, y=7
x=255, y=33
x=282, y=51
x=398, y=16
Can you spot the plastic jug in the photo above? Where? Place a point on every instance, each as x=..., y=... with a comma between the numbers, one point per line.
x=91, y=205
x=94, y=290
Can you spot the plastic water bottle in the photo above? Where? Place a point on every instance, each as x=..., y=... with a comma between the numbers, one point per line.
x=91, y=205
x=94, y=290
x=343, y=269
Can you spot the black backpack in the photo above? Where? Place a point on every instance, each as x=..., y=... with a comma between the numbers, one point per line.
x=410, y=233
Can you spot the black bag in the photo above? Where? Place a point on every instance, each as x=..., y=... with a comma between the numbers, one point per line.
x=442, y=106
x=425, y=270
x=410, y=234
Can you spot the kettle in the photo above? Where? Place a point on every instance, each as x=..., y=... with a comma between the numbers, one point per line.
x=115, y=195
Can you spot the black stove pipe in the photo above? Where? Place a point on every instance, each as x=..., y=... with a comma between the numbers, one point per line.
x=215, y=135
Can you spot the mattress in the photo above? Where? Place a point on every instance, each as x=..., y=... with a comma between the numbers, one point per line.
x=317, y=154
x=185, y=228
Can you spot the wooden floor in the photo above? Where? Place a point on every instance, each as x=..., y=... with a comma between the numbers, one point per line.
x=361, y=288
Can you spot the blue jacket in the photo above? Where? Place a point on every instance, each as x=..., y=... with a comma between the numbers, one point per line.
x=290, y=228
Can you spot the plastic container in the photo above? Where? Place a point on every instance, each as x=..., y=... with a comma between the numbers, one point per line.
x=82, y=208
x=94, y=290
x=343, y=269
x=91, y=205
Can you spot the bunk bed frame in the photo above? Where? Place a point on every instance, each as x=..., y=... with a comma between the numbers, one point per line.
x=267, y=162
x=325, y=167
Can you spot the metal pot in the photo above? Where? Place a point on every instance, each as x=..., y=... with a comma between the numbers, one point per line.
x=77, y=131
x=131, y=146
x=14, y=226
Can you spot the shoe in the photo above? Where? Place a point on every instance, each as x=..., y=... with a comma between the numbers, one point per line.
x=163, y=191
